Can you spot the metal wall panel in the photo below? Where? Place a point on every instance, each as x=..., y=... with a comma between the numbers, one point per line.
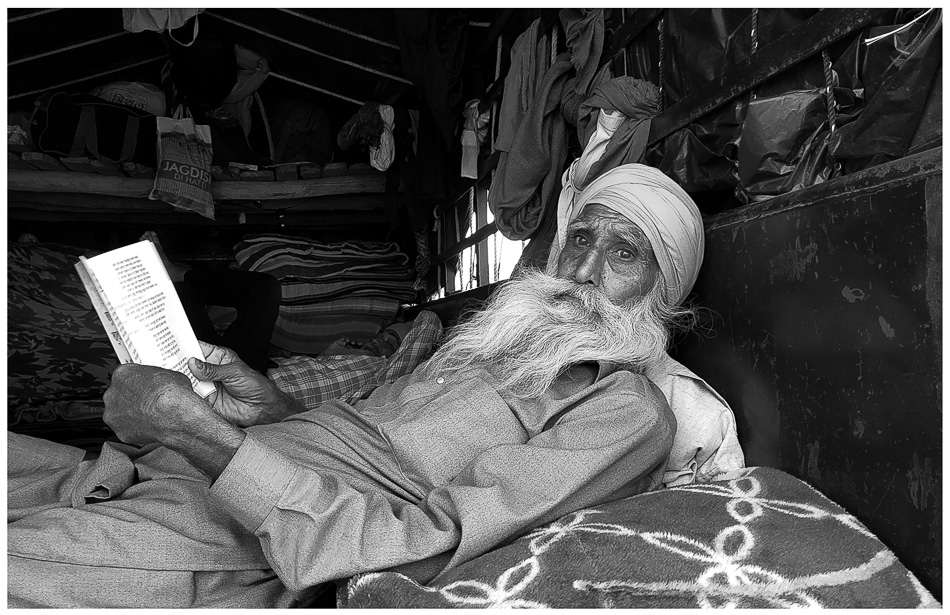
x=826, y=341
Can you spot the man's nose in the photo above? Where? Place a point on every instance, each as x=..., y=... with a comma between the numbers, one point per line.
x=589, y=269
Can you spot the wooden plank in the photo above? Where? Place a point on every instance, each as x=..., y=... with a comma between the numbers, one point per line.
x=481, y=221
x=334, y=169
x=87, y=183
x=454, y=250
x=66, y=208
x=86, y=203
x=807, y=39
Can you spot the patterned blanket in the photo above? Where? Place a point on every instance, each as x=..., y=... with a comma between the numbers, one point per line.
x=760, y=539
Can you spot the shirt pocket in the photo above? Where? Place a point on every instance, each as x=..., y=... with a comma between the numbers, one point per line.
x=440, y=435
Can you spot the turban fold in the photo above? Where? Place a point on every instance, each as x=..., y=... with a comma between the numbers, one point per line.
x=663, y=211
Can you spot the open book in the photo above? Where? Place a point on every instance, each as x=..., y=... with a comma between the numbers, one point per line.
x=140, y=309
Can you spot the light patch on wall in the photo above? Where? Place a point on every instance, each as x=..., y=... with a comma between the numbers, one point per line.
x=886, y=328
x=853, y=294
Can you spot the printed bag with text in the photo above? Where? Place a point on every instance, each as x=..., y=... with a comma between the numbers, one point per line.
x=184, y=164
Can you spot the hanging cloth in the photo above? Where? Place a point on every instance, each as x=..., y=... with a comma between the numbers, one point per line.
x=520, y=83
x=527, y=180
x=381, y=154
x=474, y=132
x=159, y=20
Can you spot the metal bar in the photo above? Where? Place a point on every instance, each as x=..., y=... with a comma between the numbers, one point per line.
x=456, y=249
x=865, y=181
x=103, y=73
x=315, y=88
x=69, y=48
x=309, y=49
x=629, y=31
x=332, y=26
x=809, y=38
x=34, y=14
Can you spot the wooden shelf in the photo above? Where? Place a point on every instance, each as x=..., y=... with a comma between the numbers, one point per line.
x=19, y=180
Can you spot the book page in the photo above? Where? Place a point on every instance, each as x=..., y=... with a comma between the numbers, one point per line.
x=108, y=321
x=136, y=289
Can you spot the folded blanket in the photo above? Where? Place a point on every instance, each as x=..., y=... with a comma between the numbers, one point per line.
x=759, y=539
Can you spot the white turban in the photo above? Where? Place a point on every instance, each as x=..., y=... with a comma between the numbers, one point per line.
x=656, y=204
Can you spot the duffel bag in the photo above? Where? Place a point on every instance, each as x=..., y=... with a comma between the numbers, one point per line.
x=85, y=125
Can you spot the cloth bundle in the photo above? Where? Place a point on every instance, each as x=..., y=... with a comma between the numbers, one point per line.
x=351, y=289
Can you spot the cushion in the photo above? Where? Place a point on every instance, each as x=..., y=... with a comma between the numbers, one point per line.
x=57, y=350
x=705, y=443
x=760, y=538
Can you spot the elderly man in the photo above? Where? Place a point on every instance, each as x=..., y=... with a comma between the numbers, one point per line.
x=535, y=407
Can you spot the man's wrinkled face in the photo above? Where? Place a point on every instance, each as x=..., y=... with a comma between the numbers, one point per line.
x=608, y=251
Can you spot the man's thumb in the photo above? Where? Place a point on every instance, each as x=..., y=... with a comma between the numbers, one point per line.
x=209, y=371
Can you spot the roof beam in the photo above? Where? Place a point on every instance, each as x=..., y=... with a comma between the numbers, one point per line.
x=332, y=26
x=67, y=48
x=310, y=50
x=87, y=78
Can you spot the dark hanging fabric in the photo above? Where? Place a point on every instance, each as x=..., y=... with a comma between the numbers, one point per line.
x=639, y=101
x=584, y=30
x=528, y=177
x=432, y=50
x=527, y=68
x=527, y=180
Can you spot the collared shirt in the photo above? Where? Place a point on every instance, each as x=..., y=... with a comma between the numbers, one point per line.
x=437, y=464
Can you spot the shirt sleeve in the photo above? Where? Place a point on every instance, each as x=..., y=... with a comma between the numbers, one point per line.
x=314, y=527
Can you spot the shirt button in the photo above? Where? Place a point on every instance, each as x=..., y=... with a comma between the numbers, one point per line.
x=440, y=380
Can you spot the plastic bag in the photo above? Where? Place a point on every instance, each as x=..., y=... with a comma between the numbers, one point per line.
x=776, y=140
x=183, y=179
x=889, y=79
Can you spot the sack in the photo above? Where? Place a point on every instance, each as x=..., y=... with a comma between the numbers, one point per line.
x=184, y=170
x=86, y=125
x=142, y=96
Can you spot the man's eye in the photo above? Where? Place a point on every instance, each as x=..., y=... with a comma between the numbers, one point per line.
x=626, y=254
x=580, y=240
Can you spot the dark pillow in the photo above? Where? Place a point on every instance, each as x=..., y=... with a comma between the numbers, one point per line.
x=761, y=539
x=57, y=349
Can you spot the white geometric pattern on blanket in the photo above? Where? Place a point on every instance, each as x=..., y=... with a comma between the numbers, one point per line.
x=727, y=582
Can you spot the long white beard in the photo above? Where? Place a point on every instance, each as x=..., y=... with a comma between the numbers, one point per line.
x=536, y=326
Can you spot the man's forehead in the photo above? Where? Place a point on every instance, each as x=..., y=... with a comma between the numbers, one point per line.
x=597, y=214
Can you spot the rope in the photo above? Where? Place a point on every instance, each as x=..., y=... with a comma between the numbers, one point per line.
x=315, y=88
x=332, y=26
x=829, y=89
x=29, y=15
x=755, y=30
x=69, y=48
x=103, y=73
x=498, y=48
x=755, y=44
x=308, y=49
x=661, y=32
x=553, y=44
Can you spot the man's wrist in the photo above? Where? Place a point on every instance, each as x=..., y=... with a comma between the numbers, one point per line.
x=209, y=444
x=285, y=405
